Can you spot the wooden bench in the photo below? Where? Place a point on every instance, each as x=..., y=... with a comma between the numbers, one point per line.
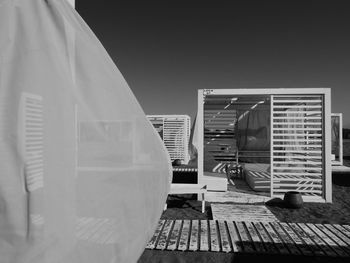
x=189, y=189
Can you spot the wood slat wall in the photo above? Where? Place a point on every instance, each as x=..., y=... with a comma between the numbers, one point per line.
x=252, y=237
x=176, y=134
x=297, y=146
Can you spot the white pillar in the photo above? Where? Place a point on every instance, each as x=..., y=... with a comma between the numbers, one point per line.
x=72, y=2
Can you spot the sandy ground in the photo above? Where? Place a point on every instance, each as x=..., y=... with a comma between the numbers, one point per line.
x=337, y=212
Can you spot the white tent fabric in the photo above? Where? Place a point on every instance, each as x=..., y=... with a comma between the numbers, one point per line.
x=83, y=175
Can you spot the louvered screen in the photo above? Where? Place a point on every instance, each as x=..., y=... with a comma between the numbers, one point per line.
x=32, y=141
x=175, y=133
x=175, y=138
x=297, y=145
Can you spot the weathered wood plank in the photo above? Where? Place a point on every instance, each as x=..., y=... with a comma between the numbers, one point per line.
x=286, y=239
x=214, y=239
x=163, y=237
x=194, y=236
x=328, y=240
x=277, y=241
x=185, y=233
x=153, y=242
x=347, y=227
x=266, y=239
x=204, y=246
x=175, y=235
x=300, y=244
x=318, y=241
x=225, y=242
x=336, y=239
x=255, y=237
x=246, y=241
x=342, y=229
x=235, y=238
x=340, y=234
x=306, y=239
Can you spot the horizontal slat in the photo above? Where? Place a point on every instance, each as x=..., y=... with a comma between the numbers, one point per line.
x=297, y=112
x=299, y=174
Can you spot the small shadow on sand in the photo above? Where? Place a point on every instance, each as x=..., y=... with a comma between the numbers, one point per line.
x=276, y=202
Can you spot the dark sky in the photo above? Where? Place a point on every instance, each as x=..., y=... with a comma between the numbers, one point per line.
x=167, y=50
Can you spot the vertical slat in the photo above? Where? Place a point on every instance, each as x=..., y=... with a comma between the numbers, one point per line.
x=286, y=239
x=255, y=237
x=328, y=240
x=235, y=238
x=268, y=243
x=163, y=237
x=300, y=244
x=275, y=238
x=214, y=239
x=225, y=242
x=342, y=229
x=320, y=243
x=337, y=240
x=247, y=243
x=339, y=234
x=311, y=245
x=185, y=233
x=153, y=242
x=204, y=236
x=175, y=235
x=194, y=236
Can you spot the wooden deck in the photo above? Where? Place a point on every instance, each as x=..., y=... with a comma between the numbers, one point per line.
x=273, y=238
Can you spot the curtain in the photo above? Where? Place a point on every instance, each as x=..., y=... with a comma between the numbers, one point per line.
x=84, y=176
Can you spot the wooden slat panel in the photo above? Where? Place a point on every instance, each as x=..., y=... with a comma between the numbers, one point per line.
x=175, y=235
x=153, y=242
x=204, y=246
x=246, y=241
x=339, y=234
x=194, y=236
x=327, y=239
x=286, y=239
x=163, y=237
x=214, y=239
x=304, y=236
x=317, y=240
x=185, y=233
x=225, y=242
x=300, y=244
x=268, y=243
x=234, y=236
x=343, y=229
x=255, y=237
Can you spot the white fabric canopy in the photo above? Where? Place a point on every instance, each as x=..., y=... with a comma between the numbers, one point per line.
x=83, y=175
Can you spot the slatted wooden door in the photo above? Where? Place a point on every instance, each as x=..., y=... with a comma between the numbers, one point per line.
x=297, y=146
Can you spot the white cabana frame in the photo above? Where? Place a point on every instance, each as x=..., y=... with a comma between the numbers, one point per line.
x=323, y=110
x=338, y=161
x=175, y=133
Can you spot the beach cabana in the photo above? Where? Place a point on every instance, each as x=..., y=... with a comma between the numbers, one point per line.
x=175, y=133
x=280, y=138
x=337, y=138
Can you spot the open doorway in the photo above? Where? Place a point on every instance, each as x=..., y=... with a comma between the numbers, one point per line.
x=237, y=139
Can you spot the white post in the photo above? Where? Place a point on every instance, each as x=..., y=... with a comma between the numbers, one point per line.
x=72, y=2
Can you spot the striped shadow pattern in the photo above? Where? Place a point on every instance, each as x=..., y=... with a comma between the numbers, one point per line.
x=252, y=237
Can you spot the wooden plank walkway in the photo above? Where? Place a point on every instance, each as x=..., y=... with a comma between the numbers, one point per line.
x=252, y=237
